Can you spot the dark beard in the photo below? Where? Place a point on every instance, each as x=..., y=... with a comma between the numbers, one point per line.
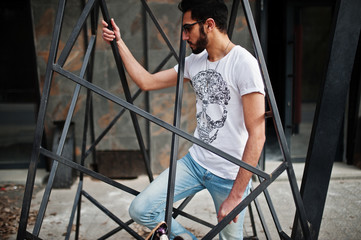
x=201, y=43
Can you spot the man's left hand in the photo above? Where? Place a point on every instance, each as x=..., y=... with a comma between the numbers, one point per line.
x=227, y=206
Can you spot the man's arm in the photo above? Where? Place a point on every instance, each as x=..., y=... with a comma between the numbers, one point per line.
x=254, y=116
x=145, y=80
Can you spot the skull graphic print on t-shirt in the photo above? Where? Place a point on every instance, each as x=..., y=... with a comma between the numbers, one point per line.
x=213, y=93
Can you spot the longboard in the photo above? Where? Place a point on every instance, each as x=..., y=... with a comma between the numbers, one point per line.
x=159, y=232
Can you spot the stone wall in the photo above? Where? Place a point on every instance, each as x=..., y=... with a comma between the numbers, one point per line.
x=128, y=15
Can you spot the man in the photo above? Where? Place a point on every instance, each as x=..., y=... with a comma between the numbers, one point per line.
x=230, y=116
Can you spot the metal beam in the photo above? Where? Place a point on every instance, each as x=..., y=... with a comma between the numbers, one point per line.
x=123, y=80
x=277, y=120
x=40, y=123
x=330, y=111
x=158, y=121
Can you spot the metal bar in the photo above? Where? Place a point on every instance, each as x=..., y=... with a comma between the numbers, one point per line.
x=115, y=119
x=107, y=129
x=85, y=128
x=283, y=235
x=146, y=66
x=251, y=216
x=94, y=18
x=158, y=121
x=330, y=110
x=268, y=87
x=277, y=121
x=183, y=205
x=299, y=203
x=59, y=151
x=30, y=236
x=112, y=216
x=88, y=105
x=83, y=147
x=156, y=23
x=165, y=60
x=92, y=131
x=81, y=176
x=232, y=18
x=175, y=138
x=94, y=26
x=288, y=73
x=87, y=171
x=76, y=200
x=114, y=231
x=85, y=27
x=121, y=72
x=88, y=111
x=75, y=33
x=191, y=217
x=272, y=210
x=67, y=73
x=77, y=230
x=354, y=101
x=28, y=192
x=245, y=202
x=262, y=219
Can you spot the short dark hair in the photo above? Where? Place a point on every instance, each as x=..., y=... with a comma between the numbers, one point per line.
x=203, y=9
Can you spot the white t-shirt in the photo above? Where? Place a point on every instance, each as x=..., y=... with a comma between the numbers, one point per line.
x=219, y=87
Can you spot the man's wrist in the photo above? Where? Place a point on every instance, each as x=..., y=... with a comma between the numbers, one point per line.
x=120, y=43
x=235, y=195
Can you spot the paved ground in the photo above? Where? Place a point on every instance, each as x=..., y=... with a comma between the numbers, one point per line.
x=341, y=218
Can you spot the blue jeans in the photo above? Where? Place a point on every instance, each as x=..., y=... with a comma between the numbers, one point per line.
x=148, y=208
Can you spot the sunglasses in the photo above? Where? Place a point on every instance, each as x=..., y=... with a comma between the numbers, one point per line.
x=188, y=27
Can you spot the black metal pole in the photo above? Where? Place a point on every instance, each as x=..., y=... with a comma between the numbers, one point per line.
x=112, y=216
x=146, y=66
x=156, y=23
x=121, y=112
x=115, y=230
x=87, y=171
x=175, y=138
x=245, y=202
x=262, y=219
x=62, y=142
x=121, y=71
x=76, y=201
x=232, y=18
x=76, y=31
x=158, y=121
x=251, y=217
x=28, y=192
x=94, y=26
x=49, y=185
x=272, y=210
x=277, y=121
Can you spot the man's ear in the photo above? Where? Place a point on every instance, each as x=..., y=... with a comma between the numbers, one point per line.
x=210, y=24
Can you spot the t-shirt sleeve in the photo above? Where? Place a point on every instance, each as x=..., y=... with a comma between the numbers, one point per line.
x=250, y=78
x=186, y=64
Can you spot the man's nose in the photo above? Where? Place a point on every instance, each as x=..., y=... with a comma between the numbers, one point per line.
x=185, y=36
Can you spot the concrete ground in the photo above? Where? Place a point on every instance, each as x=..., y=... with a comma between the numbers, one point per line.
x=341, y=218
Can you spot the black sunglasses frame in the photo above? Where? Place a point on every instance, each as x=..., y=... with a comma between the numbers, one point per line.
x=188, y=27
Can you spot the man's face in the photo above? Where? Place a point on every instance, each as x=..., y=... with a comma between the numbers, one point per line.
x=201, y=43
x=194, y=34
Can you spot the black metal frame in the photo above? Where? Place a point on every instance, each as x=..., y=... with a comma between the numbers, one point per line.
x=91, y=7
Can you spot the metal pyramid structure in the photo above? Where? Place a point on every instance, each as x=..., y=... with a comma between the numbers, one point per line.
x=84, y=80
